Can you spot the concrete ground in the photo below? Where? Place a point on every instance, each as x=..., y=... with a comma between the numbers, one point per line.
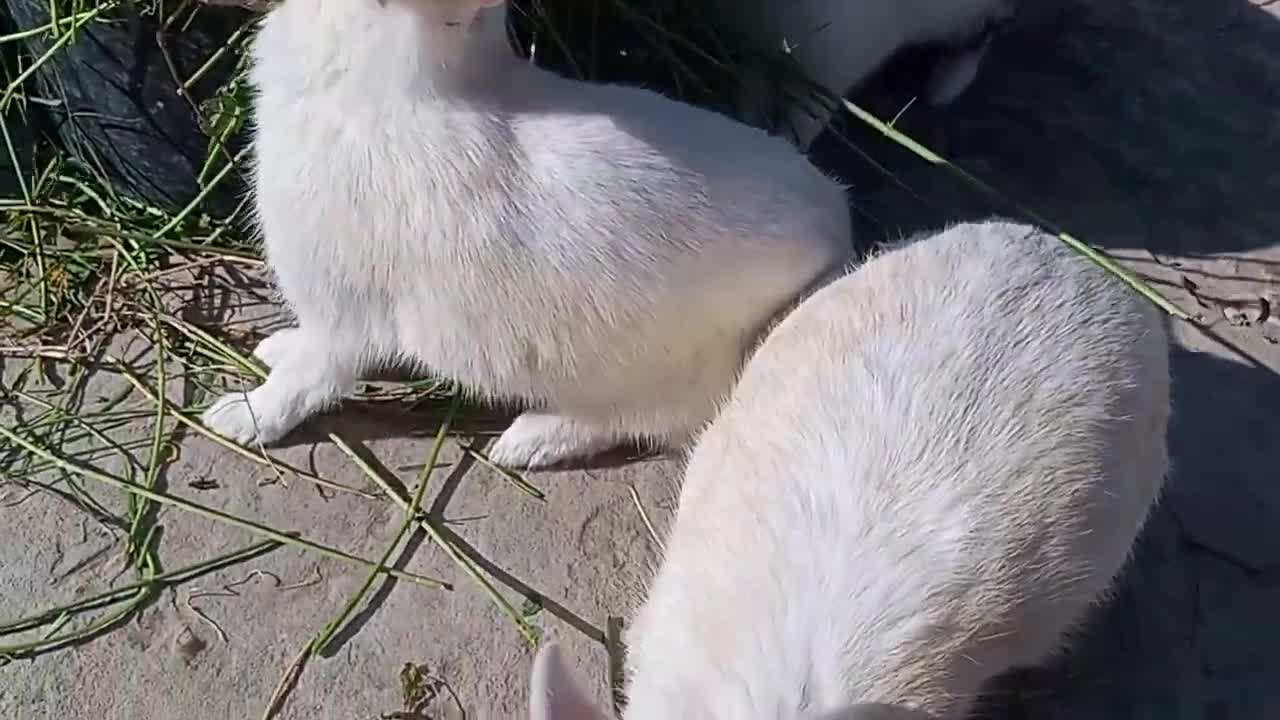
x=1150, y=127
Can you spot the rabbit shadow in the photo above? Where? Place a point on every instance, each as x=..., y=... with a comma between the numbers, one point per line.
x=363, y=420
x=366, y=421
x=1194, y=626
x=1145, y=122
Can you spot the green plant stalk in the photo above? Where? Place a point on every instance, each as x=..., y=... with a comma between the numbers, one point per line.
x=200, y=335
x=51, y=641
x=212, y=514
x=59, y=415
x=467, y=565
x=286, y=683
x=138, y=508
x=52, y=25
x=510, y=476
x=217, y=55
x=321, y=642
x=61, y=42
x=100, y=226
x=616, y=652
x=325, y=638
x=182, y=417
x=244, y=452
x=202, y=195
x=57, y=433
x=1098, y=257
x=115, y=595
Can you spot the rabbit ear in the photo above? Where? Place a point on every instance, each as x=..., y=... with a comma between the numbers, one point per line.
x=872, y=711
x=554, y=693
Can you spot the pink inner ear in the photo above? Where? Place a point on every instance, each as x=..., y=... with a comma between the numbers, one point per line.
x=555, y=694
x=574, y=709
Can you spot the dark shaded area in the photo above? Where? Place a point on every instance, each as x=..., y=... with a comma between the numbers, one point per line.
x=663, y=45
x=123, y=116
x=15, y=122
x=1194, y=630
x=1137, y=123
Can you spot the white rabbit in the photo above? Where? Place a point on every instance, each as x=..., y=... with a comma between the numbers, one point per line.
x=927, y=475
x=601, y=253
x=839, y=43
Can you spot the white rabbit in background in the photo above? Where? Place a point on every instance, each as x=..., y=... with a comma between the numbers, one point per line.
x=601, y=253
x=928, y=474
x=839, y=43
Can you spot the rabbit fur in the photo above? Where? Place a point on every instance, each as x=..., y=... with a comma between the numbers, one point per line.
x=928, y=474
x=600, y=253
x=839, y=43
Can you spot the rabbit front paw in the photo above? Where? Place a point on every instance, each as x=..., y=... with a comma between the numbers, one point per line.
x=309, y=373
x=279, y=347
x=248, y=418
x=539, y=440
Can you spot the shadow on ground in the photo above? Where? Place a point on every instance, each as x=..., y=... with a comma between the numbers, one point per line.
x=1148, y=124
x=1193, y=631
x=1144, y=123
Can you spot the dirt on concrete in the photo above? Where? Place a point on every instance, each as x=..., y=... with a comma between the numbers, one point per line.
x=1151, y=128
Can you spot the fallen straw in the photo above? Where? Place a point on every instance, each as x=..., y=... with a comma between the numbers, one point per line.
x=1098, y=257
x=117, y=594
x=217, y=515
x=457, y=556
x=261, y=459
x=325, y=638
